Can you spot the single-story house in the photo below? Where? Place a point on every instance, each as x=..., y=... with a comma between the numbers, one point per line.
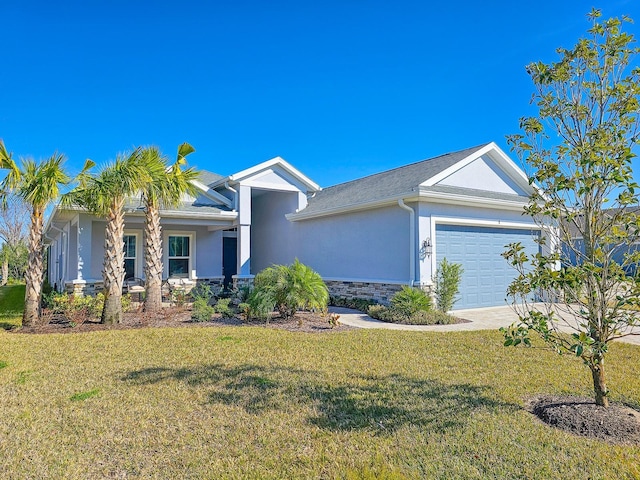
x=366, y=237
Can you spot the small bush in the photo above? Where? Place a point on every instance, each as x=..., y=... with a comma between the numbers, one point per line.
x=77, y=309
x=260, y=305
x=447, y=284
x=201, y=311
x=127, y=302
x=290, y=288
x=421, y=317
x=178, y=297
x=201, y=291
x=241, y=295
x=361, y=304
x=222, y=307
x=386, y=314
x=410, y=300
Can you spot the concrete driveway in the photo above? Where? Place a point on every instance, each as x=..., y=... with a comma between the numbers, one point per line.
x=488, y=318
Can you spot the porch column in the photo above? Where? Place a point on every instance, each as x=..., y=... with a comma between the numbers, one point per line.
x=244, y=250
x=84, y=247
x=244, y=235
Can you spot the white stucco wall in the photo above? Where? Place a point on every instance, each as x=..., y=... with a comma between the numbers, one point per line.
x=370, y=245
x=272, y=239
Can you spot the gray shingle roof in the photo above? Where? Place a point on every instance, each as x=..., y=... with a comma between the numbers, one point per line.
x=136, y=205
x=208, y=177
x=386, y=184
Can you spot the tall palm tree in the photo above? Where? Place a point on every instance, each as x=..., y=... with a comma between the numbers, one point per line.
x=167, y=187
x=38, y=184
x=104, y=195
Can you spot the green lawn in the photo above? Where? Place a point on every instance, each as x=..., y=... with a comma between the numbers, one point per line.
x=11, y=306
x=246, y=402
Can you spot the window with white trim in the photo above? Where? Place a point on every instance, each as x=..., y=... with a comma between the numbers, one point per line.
x=179, y=255
x=129, y=256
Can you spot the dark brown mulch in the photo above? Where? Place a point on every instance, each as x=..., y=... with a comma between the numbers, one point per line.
x=181, y=317
x=581, y=416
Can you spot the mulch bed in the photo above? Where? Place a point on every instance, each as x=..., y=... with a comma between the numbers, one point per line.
x=618, y=423
x=181, y=317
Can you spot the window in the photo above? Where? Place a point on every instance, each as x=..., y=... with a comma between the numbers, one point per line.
x=179, y=255
x=129, y=256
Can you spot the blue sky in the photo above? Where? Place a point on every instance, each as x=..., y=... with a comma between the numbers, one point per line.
x=339, y=89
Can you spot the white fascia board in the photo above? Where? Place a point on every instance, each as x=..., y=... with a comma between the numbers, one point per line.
x=440, y=197
x=211, y=193
x=276, y=161
x=50, y=219
x=354, y=207
x=228, y=216
x=413, y=196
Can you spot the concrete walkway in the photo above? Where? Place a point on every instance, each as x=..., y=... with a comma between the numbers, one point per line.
x=489, y=318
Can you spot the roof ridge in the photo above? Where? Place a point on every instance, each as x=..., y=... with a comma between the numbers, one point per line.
x=477, y=147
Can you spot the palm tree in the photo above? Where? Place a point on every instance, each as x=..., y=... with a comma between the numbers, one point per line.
x=167, y=187
x=38, y=184
x=104, y=195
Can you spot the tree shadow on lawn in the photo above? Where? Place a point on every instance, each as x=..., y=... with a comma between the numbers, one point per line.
x=381, y=403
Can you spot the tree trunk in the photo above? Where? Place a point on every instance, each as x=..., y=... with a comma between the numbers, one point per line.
x=599, y=382
x=153, y=259
x=5, y=272
x=113, y=273
x=34, y=273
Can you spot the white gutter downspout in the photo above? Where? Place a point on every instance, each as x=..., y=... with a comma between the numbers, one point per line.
x=412, y=240
x=235, y=195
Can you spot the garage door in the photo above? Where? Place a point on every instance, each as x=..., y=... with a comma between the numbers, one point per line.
x=486, y=273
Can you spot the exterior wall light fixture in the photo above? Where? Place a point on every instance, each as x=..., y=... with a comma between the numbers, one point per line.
x=427, y=248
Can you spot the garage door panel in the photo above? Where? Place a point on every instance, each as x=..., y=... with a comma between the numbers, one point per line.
x=487, y=274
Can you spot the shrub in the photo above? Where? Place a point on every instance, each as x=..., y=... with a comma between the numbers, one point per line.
x=77, y=309
x=201, y=311
x=290, y=288
x=222, y=307
x=447, y=284
x=260, y=305
x=201, y=291
x=241, y=294
x=421, y=317
x=361, y=304
x=410, y=300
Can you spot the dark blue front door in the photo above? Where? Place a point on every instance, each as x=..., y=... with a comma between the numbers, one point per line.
x=229, y=259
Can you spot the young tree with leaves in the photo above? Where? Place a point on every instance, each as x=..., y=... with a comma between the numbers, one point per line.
x=580, y=148
x=167, y=186
x=14, y=233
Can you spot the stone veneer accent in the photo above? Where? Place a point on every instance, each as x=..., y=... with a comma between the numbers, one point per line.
x=239, y=282
x=92, y=288
x=379, y=292
x=211, y=281
x=85, y=288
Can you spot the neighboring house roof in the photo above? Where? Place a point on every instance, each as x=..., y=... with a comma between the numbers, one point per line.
x=416, y=179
